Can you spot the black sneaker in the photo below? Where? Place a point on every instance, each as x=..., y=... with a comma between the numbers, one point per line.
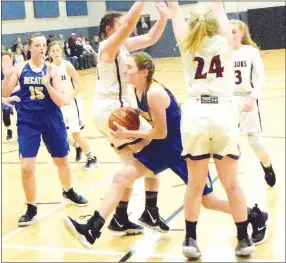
x=123, y=224
x=91, y=163
x=269, y=176
x=258, y=220
x=191, y=249
x=151, y=218
x=9, y=134
x=87, y=233
x=75, y=198
x=78, y=154
x=29, y=217
x=244, y=247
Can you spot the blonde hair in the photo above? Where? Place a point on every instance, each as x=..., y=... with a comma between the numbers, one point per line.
x=202, y=23
x=246, y=39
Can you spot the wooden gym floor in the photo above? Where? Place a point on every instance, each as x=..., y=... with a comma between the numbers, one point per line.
x=48, y=241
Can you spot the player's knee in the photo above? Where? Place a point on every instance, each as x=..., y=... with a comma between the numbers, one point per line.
x=61, y=162
x=196, y=189
x=27, y=169
x=207, y=201
x=120, y=178
x=230, y=186
x=256, y=144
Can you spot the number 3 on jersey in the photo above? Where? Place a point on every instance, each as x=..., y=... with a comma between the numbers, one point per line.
x=36, y=93
x=215, y=67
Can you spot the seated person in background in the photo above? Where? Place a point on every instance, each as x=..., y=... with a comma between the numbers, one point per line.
x=79, y=52
x=18, y=56
x=88, y=48
x=70, y=55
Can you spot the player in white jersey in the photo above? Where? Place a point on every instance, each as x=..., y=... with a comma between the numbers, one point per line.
x=208, y=126
x=111, y=93
x=249, y=80
x=73, y=108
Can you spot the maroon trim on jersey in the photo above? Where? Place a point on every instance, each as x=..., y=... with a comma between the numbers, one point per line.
x=252, y=86
x=119, y=81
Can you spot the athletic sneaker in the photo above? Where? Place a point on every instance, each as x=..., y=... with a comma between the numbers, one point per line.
x=9, y=134
x=78, y=154
x=269, y=176
x=191, y=249
x=244, y=247
x=123, y=224
x=91, y=163
x=258, y=220
x=75, y=198
x=29, y=217
x=151, y=218
x=87, y=233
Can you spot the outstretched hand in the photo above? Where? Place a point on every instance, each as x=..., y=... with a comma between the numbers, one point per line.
x=162, y=8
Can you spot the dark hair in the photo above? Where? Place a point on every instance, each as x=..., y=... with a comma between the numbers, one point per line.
x=30, y=39
x=144, y=61
x=107, y=20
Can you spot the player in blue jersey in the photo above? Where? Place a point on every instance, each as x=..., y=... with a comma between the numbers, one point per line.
x=160, y=108
x=9, y=103
x=39, y=115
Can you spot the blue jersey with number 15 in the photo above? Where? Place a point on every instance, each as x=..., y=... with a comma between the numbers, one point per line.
x=33, y=94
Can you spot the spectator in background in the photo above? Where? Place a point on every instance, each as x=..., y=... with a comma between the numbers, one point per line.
x=79, y=50
x=50, y=39
x=95, y=43
x=25, y=52
x=70, y=55
x=88, y=48
x=88, y=56
x=18, y=56
x=72, y=40
x=17, y=42
x=61, y=40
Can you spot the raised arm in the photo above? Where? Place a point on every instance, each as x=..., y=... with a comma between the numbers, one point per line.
x=179, y=23
x=116, y=40
x=223, y=21
x=149, y=39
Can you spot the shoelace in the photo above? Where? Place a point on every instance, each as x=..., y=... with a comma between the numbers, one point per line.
x=89, y=220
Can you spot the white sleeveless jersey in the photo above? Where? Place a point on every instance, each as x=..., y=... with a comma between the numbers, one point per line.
x=67, y=86
x=210, y=71
x=248, y=70
x=109, y=74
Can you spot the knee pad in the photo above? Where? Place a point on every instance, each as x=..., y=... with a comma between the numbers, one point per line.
x=256, y=144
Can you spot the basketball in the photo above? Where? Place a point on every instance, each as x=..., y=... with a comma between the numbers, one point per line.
x=126, y=117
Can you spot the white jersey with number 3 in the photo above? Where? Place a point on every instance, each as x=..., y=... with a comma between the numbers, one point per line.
x=248, y=70
x=210, y=71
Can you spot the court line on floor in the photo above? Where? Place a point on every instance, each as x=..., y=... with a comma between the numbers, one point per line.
x=139, y=244
x=69, y=162
x=103, y=252
x=89, y=189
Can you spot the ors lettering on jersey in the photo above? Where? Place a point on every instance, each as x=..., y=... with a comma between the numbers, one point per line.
x=240, y=64
x=33, y=80
x=63, y=77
